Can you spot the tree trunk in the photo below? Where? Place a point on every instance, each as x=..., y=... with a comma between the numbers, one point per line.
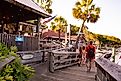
x=76, y=46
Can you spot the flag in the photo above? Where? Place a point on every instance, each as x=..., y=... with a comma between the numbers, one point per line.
x=48, y=20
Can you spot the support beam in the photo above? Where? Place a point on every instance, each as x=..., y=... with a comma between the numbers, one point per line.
x=37, y=30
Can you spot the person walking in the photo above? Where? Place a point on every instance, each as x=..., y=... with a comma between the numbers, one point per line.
x=83, y=55
x=80, y=56
x=90, y=56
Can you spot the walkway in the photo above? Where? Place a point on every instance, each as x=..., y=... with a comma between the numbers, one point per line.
x=73, y=73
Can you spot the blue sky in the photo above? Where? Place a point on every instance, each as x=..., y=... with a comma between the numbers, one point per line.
x=109, y=22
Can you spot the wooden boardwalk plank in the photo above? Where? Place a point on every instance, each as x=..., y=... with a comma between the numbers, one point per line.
x=73, y=73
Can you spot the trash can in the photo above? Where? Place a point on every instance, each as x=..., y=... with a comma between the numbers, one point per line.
x=19, y=42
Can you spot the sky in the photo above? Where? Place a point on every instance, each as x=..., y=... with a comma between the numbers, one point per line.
x=109, y=22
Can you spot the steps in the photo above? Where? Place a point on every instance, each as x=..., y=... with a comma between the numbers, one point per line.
x=73, y=73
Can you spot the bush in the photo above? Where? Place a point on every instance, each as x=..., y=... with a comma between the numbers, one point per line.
x=14, y=71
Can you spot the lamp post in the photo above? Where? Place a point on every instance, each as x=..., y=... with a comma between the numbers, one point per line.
x=66, y=35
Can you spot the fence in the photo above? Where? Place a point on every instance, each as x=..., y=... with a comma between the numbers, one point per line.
x=37, y=56
x=29, y=43
x=61, y=59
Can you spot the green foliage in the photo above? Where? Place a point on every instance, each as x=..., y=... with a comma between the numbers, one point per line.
x=102, y=39
x=86, y=11
x=14, y=71
x=105, y=39
x=59, y=23
x=14, y=49
x=46, y=5
x=74, y=29
x=4, y=52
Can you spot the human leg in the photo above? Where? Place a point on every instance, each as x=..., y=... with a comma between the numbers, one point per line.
x=80, y=59
x=88, y=64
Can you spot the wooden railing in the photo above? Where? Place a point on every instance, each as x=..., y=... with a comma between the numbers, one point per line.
x=107, y=70
x=38, y=56
x=29, y=43
x=61, y=59
x=6, y=61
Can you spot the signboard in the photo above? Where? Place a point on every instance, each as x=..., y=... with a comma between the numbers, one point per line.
x=19, y=38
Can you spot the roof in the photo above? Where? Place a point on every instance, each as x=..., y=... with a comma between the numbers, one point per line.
x=53, y=34
x=31, y=5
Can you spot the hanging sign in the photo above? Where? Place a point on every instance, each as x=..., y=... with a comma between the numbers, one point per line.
x=19, y=38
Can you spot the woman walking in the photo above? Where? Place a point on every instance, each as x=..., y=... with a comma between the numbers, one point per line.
x=80, y=56
x=83, y=55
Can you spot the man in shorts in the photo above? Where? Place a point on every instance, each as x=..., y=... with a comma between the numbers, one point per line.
x=90, y=56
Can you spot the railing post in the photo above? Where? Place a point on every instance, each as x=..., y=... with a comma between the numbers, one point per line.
x=113, y=54
x=43, y=56
x=51, y=62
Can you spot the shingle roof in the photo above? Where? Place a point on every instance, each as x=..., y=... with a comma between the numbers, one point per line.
x=51, y=33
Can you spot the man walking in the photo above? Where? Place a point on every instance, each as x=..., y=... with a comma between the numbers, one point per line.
x=90, y=49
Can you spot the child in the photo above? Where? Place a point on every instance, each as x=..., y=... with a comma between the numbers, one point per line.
x=83, y=55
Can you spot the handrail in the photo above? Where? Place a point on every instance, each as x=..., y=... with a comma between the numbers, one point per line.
x=38, y=56
x=107, y=70
x=6, y=61
x=61, y=59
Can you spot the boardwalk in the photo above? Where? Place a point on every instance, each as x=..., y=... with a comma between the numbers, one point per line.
x=73, y=73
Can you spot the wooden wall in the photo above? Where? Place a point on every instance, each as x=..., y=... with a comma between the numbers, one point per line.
x=29, y=43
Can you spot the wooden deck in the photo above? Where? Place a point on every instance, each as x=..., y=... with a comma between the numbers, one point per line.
x=73, y=73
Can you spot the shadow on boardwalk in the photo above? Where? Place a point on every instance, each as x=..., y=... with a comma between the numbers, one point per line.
x=73, y=73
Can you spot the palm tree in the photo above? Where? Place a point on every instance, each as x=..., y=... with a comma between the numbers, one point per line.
x=87, y=12
x=45, y=4
x=59, y=23
x=74, y=29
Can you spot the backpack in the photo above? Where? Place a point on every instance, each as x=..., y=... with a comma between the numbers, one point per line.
x=91, y=52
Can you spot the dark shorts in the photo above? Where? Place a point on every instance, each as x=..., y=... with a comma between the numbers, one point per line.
x=89, y=59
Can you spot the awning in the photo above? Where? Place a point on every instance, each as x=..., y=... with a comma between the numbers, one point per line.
x=12, y=11
x=34, y=6
x=30, y=5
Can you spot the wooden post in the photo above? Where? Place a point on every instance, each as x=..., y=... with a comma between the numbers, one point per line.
x=113, y=54
x=51, y=62
x=38, y=27
x=65, y=38
x=43, y=56
x=69, y=31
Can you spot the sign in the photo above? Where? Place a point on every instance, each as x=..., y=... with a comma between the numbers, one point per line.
x=19, y=38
